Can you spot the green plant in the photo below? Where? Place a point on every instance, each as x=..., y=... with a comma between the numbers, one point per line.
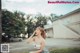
x=66, y=50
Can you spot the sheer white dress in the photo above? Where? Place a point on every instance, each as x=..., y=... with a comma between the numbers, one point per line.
x=37, y=47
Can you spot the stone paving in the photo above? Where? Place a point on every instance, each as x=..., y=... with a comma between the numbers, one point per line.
x=50, y=43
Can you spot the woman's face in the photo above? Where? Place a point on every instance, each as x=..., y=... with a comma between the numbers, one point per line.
x=38, y=32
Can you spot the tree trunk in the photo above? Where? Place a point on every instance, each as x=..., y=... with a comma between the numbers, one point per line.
x=0, y=26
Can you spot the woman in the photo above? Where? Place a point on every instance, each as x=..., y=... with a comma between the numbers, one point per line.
x=39, y=40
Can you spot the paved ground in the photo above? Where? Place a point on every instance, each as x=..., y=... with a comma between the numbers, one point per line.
x=55, y=43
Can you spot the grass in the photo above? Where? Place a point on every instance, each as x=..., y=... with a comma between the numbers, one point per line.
x=66, y=50
x=63, y=50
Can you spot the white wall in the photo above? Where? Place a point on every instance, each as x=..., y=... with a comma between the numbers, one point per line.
x=61, y=31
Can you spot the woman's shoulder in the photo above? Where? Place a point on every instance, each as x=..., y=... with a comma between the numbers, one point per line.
x=42, y=39
x=34, y=37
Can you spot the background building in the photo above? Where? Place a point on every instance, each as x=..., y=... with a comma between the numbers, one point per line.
x=68, y=26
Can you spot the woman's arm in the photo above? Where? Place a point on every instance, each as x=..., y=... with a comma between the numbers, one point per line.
x=31, y=38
